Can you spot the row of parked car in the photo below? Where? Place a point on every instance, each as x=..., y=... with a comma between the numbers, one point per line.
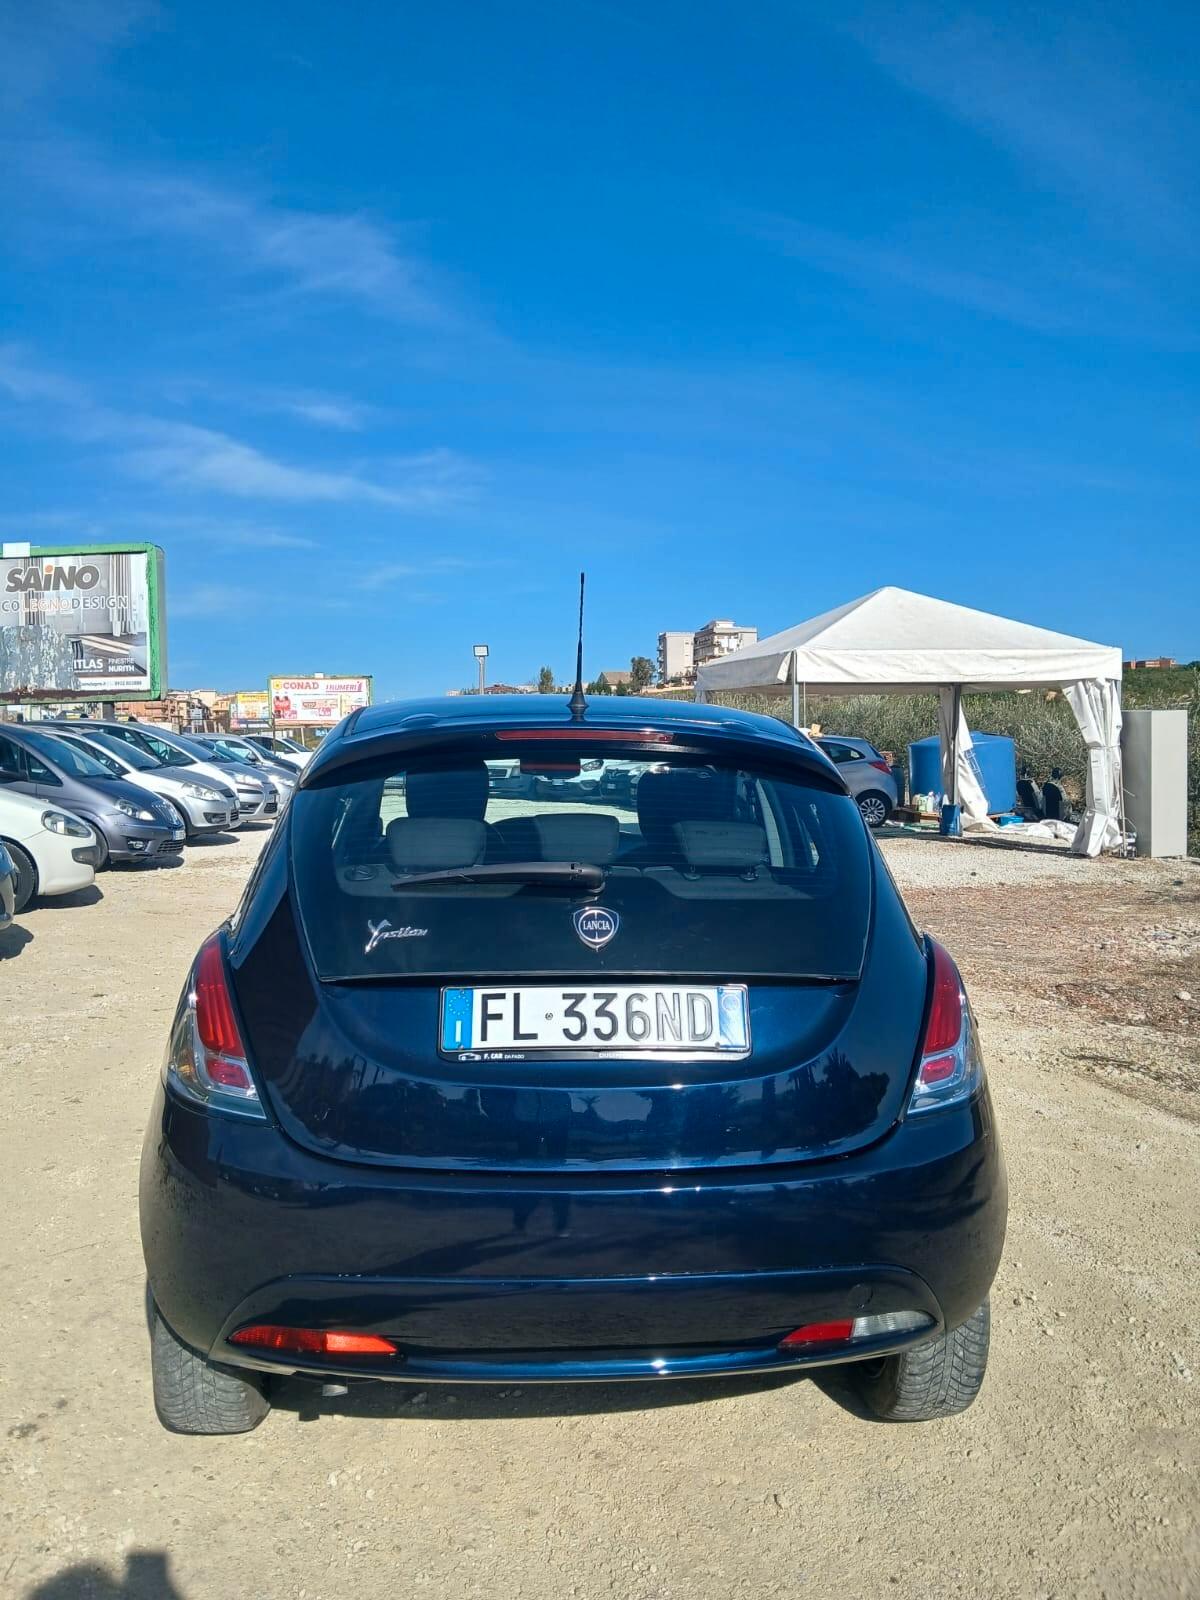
x=76, y=796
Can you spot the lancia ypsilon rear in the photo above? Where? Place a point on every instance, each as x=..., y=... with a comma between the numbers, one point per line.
x=538, y=1080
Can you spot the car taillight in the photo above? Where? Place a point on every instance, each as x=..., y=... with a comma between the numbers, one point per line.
x=951, y=1068
x=312, y=1341
x=206, y=1060
x=847, y=1329
x=880, y=766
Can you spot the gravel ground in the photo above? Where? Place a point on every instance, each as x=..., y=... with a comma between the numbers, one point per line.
x=1073, y=1476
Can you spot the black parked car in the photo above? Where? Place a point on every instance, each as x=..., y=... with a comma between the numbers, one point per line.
x=130, y=823
x=476, y=1088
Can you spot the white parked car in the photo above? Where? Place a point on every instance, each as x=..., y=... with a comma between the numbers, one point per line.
x=53, y=851
x=203, y=805
x=280, y=748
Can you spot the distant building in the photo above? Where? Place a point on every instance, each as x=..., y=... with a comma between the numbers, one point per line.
x=676, y=655
x=1154, y=661
x=613, y=678
x=721, y=638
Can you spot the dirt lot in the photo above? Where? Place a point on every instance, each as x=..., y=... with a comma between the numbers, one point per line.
x=1074, y=1475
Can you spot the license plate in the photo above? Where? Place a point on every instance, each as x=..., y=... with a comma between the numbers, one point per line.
x=177, y=833
x=621, y=1019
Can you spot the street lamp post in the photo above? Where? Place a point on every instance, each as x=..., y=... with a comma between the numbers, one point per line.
x=481, y=655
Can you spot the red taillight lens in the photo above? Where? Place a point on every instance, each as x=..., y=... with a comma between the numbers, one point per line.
x=880, y=766
x=951, y=1066
x=312, y=1341
x=214, y=1010
x=946, y=1007
x=818, y=1333
x=206, y=1058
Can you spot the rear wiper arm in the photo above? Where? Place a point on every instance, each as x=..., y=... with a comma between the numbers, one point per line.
x=571, y=874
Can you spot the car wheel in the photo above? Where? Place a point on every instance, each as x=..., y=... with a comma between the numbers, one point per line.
x=25, y=887
x=101, y=848
x=875, y=808
x=192, y=1395
x=932, y=1380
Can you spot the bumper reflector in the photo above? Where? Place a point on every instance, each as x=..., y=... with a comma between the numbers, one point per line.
x=312, y=1341
x=818, y=1333
x=843, y=1332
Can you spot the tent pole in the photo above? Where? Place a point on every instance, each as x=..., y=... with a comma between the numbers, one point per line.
x=956, y=718
x=795, y=694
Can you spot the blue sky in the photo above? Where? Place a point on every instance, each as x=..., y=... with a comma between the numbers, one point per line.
x=383, y=320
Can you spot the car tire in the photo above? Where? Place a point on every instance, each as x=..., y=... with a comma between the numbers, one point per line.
x=192, y=1395
x=931, y=1380
x=874, y=807
x=26, y=885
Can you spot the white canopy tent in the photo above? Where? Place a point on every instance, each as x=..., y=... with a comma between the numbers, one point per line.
x=893, y=641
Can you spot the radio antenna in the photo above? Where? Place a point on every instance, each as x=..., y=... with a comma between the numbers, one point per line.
x=577, y=704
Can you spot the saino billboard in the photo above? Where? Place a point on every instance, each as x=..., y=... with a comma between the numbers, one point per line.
x=82, y=622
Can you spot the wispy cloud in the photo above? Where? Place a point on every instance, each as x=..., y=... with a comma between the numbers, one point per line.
x=181, y=455
x=344, y=255
x=882, y=265
x=47, y=40
x=1059, y=93
x=214, y=600
x=408, y=572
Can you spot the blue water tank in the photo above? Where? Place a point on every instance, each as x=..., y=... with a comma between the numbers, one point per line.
x=995, y=760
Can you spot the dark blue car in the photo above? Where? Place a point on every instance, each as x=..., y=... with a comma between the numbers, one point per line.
x=508, y=1083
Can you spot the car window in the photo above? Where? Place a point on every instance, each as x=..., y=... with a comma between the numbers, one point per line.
x=705, y=869
x=140, y=760
x=110, y=764
x=166, y=753
x=13, y=758
x=836, y=751
x=68, y=758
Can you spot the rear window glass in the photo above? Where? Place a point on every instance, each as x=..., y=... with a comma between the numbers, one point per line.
x=700, y=870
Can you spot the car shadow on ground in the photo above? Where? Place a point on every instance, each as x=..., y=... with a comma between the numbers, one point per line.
x=90, y=896
x=203, y=841
x=146, y=1578
x=13, y=940
x=485, y=1402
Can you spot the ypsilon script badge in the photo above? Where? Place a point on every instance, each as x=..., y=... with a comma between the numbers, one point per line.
x=596, y=925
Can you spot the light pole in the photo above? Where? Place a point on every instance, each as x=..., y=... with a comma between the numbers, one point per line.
x=481, y=655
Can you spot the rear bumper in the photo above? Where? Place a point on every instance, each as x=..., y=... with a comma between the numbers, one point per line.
x=493, y=1277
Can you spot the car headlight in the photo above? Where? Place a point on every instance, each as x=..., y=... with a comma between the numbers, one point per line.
x=200, y=791
x=138, y=813
x=61, y=822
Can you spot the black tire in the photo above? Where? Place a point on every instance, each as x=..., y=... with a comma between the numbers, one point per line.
x=102, y=860
x=931, y=1380
x=874, y=807
x=26, y=885
x=192, y=1395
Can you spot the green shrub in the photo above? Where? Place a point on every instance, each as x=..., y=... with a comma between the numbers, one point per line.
x=1043, y=729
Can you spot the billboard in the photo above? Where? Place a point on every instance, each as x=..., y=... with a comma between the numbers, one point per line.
x=250, y=709
x=316, y=702
x=82, y=622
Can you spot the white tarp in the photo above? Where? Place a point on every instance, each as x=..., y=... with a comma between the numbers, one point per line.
x=960, y=774
x=1097, y=708
x=893, y=641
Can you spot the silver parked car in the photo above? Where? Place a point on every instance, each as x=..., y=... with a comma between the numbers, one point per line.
x=868, y=777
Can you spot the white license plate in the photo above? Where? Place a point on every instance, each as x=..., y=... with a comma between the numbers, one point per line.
x=177, y=833
x=618, y=1019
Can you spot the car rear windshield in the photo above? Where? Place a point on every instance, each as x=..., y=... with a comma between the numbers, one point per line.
x=701, y=870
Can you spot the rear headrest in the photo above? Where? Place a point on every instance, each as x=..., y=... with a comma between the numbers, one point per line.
x=456, y=792
x=426, y=844
x=578, y=836
x=666, y=798
x=717, y=846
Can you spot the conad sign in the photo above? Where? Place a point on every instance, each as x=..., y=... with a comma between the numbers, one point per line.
x=316, y=702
